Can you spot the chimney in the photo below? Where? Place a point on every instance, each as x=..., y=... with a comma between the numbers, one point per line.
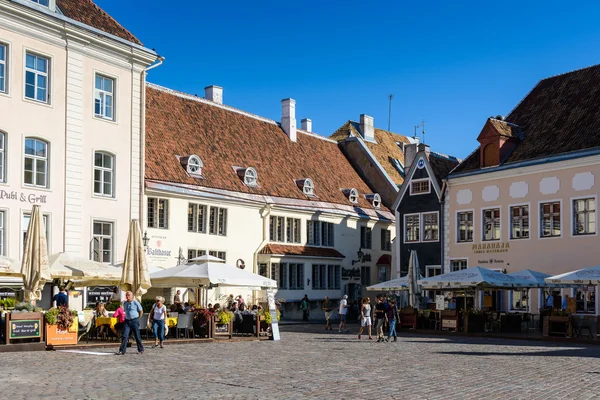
x=367, y=130
x=410, y=153
x=306, y=124
x=424, y=148
x=288, y=118
x=214, y=93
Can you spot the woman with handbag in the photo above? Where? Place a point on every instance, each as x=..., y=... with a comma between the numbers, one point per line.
x=158, y=316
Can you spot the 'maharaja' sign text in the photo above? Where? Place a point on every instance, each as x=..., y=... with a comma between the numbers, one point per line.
x=484, y=248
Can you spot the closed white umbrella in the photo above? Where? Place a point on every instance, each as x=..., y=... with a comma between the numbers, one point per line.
x=135, y=276
x=34, y=267
x=414, y=274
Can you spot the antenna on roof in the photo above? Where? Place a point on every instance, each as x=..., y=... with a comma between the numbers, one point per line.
x=423, y=130
x=390, y=96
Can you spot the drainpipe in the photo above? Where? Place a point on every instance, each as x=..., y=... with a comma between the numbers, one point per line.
x=264, y=213
x=143, y=136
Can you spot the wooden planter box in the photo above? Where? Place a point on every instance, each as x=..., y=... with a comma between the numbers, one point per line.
x=24, y=326
x=54, y=336
x=558, y=325
x=449, y=319
x=221, y=330
x=475, y=323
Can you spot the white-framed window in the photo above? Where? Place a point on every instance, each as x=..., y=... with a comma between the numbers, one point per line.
x=550, y=219
x=3, y=67
x=158, y=213
x=433, y=270
x=491, y=224
x=35, y=167
x=194, y=253
x=334, y=276
x=419, y=186
x=103, y=241
x=269, y=271
x=519, y=222
x=219, y=254
x=431, y=227
x=291, y=276
x=25, y=225
x=365, y=275
x=353, y=196
x=309, y=187
x=37, y=77
x=386, y=240
x=196, y=218
x=412, y=228
x=276, y=228
x=458, y=265
x=366, y=237
x=2, y=230
x=585, y=300
x=376, y=200
x=104, y=97
x=2, y=157
x=293, y=230
x=383, y=273
x=464, y=225
x=45, y=3
x=217, y=221
x=584, y=216
x=104, y=172
x=520, y=300
x=320, y=233
x=193, y=165
x=250, y=177
x=319, y=276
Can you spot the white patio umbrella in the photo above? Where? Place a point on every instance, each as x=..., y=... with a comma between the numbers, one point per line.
x=9, y=267
x=83, y=271
x=475, y=277
x=583, y=277
x=533, y=279
x=34, y=267
x=391, y=285
x=135, y=276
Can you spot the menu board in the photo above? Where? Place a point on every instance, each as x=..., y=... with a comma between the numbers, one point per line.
x=23, y=329
x=440, y=303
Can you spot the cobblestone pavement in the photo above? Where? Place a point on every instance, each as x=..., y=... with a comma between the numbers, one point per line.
x=312, y=363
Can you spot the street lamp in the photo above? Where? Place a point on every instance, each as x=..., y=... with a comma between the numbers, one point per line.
x=145, y=239
x=360, y=255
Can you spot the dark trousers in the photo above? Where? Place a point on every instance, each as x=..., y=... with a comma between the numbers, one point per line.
x=305, y=314
x=131, y=326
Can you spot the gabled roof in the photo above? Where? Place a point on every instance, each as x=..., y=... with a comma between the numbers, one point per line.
x=304, y=251
x=178, y=124
x=386, y=150
x=441, y=165
x=560, y=115
x=505, y=129
x=87, y=12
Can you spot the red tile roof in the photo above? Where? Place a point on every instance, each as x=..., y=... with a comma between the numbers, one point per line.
x=87, y=12
x=560, y=115
x=223, y=137
x=306, y=251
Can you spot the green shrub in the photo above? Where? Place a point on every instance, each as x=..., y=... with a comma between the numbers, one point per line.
x=112, y=306
x=147, y=304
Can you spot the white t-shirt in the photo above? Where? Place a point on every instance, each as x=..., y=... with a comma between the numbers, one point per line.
x=159, y=312
x=343, y=308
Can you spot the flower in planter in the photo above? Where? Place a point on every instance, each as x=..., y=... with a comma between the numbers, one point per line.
x=61, y=316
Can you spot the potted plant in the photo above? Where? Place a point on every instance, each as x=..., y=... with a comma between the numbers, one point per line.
x=61, y=326
x=223, y=323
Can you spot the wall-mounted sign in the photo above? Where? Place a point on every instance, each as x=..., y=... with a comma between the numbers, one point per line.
x=30, y=198
x=23, y=329
x=156, y=249
x=488, y=248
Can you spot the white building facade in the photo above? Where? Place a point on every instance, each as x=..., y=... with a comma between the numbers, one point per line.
x=71, y=127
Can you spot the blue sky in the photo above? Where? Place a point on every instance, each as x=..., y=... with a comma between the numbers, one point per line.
x=452, y=64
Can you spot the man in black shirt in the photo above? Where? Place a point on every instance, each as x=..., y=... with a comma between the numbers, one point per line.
x=381, y=317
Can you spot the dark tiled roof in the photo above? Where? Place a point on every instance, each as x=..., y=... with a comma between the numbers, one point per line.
x=441, y=166
x=560, y=115
x=300, y=251
x=386, y=149
x=180, y=125
x=87, y=12
x=506, y=129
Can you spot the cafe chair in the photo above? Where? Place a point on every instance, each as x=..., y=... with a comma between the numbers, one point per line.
x=84, y=330
x=173, y=314
x=579, y=327
x=144, y=324
x=183, y=323
x=435, y=323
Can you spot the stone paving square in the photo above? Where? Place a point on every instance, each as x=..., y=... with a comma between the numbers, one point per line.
x=310, y=363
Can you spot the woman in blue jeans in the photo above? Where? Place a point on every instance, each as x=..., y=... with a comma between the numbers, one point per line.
x=158, y=316
x=393, y=318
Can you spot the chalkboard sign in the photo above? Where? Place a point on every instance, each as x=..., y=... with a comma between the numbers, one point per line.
x=23, y=329
x=99, y=294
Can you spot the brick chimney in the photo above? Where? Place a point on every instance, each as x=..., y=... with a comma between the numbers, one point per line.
x=306, y=124
x=288, y=118
x=214, y=93
x=367, y=129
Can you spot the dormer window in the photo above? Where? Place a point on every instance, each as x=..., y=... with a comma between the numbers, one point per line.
x=193, y=165
x=45, y=3
x=351, y=194
x=248, y=175
x=374, y=199
x=307, y=186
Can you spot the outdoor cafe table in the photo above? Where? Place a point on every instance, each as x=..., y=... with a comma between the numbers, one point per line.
x=106, y=321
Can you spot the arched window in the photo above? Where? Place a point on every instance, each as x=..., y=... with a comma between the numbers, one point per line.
x=309, y=187
x=2, y=157
x=193, y=165
x=36, y=162
x=250, y=177
x=376, y=200
x=104, y=173
x=491, y=155
x=353, y=196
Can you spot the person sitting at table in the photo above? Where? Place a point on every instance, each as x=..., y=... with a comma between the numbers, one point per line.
x=186, y=306
x=120, y=316
x=100, y=311
x=159, y=316
x=210, y=307
x=173, y=308
x=180, y=309
x=564, y=302
x=452, y=304
x=216, y=308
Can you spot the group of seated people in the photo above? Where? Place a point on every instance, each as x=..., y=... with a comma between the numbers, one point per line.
x=119, y=314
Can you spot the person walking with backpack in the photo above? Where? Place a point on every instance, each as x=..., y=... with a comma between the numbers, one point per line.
x=393, y=318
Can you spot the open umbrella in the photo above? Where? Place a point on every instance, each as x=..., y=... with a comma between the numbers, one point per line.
x=394, y=284
x=83, y=271
x=34, y=267
x=587, y=276
x=135, y=276
x=474, y=277
x=9, y=267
